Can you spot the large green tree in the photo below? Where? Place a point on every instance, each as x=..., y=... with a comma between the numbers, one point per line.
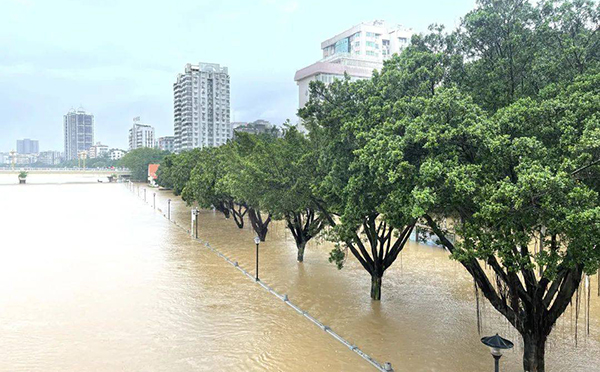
x=506, y=153
x=137, y=161
x=206, y=181
x=243, y=154
x=175, y=170
x=348, y=192
x=279, y=174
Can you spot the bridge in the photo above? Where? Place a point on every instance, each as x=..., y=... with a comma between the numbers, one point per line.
x=99, y=171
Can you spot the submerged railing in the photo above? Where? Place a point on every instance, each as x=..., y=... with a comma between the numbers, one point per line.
x=385, y=367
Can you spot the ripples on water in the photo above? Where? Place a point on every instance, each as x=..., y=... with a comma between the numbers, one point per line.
x=91, y=279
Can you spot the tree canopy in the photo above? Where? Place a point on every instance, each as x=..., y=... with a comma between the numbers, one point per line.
x=137, y=161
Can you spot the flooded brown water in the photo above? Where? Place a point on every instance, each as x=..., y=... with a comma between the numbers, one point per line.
x=93, y=279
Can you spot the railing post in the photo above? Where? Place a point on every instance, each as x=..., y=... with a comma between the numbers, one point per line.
x=169, y=209
x=154, y=201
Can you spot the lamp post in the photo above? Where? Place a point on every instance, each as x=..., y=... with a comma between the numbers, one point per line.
x=169, y=209
x=154, y=201
x=496, y=345
x=197, y=211
x=257, y=242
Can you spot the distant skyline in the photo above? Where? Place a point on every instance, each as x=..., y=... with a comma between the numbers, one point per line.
x=118, y=59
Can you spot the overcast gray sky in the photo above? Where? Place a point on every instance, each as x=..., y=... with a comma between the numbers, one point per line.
x=119, y=58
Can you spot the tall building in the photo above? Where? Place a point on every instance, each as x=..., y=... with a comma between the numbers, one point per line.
x=78, y=132
x=28, y=146
x=166, y=143
x=357, y=51
x=201, y=107
x=140, y=135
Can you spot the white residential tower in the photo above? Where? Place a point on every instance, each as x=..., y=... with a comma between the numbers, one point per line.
x=201, y=107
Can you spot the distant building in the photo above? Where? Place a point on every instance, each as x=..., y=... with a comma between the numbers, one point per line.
x=201, y=107
x=166, y=143
x=116, y=154
x=50, y=157
x=141, y=135
x=97, y=151
x=5, y=158
x=357, y=51
x=257, y=127
x=26, y=159
x=78, y=132
x=28, y=146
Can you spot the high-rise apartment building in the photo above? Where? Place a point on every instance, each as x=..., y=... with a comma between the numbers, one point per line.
x=28, y=146
x=78, y=132
x=357, y=51
x=166, y=143
x=141, y=135
x=201, y=107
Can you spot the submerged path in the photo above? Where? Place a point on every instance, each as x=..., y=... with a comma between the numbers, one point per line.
x=383, y=367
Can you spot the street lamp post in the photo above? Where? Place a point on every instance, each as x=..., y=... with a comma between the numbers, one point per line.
x=197, y=217
x=496, y=345
x=257, y=242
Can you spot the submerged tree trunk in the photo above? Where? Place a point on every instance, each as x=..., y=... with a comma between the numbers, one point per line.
x=221, y=207
x=376, y=287
x=301, y=247
x=304, y=226
x=238, y=211
x=260, y=227
x=531, y=304
x=533, y=352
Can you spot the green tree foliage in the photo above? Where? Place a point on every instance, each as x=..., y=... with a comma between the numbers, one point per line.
x=137, y=161
x=505, y=151
x=206, y=183
x=512, y=49
x=490, y=133
x=175, y=170
x=276, y=177
x=349, y=189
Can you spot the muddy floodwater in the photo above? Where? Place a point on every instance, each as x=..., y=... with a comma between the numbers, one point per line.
x=92, y=278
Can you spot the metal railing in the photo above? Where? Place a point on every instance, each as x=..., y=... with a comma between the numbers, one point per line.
x=385, y=367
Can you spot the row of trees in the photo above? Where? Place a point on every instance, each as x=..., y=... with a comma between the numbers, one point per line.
x=490, y=133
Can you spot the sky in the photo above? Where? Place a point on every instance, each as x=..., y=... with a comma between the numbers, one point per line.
x=118, y=59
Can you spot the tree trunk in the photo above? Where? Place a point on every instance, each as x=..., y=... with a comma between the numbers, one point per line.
x=239, y=220
x=301, y=246
x=375, y=287
x=533, y=353
x=261, y=228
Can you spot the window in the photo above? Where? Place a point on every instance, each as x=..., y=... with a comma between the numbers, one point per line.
x=372, y=44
